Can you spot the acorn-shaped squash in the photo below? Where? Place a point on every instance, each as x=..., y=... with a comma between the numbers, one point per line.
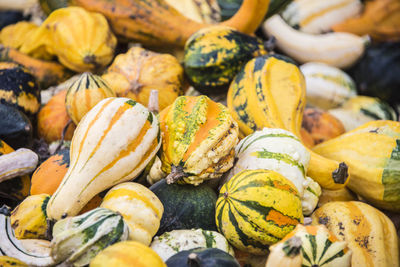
x=84, y=94
x=199, y=138
x=112, y=144
x=133, y=75
x=18, y=88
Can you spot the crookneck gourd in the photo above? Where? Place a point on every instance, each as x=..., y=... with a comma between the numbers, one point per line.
x=372, y=152
x=155, y=23
x=269, y=92
x=199, y=138
x=120, y=128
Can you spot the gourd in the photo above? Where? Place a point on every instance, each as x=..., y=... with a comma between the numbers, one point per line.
x=327, y=87
x=319, y=246
x=14, y=35
x=53, y=118
x=202, y=257
x=132, y=75
x=8, y=261
x=343, y=194
x=105, y=130
x=17, y=163
x=15, y=127
x=286, y=253
x=369, y=234
x=140, y=208
x=214, y=55
x=19, y=88
x=321, y=125
x=125, y=254
x=28, y=219
x=84, y=94
x=170, y=243
x=257, y=208
x=380, y=20
x=155, y=23
x=49, y=6
x=279, y=85
x=185, y=206
x=319, y=16
x=199, y=137
x=372, y=153
x=362, y=109
x=203, y=11
x=76, y=240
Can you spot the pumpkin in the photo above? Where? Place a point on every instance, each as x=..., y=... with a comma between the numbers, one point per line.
x=15, y=127
x=9, y=261
x=185, y=206
x=369, y=234
x=214, y=55
x=257, y=208
x=28, y=219
x=202, y=257
x=199, y=137
x=321, y=125
x=171, y=243
x=125, y=254
x=17, y=163
x=76, y=240
x=105, y=130
x=327, y=87
x=140, y=208
x=362, y=109
x=84, y=94
x=19, y=88
x=286, y=253
x=372, y=153
x=53, y=118
x=132, y=75
x=269, y=92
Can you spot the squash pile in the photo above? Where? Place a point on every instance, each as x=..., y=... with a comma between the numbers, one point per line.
x=203, y=133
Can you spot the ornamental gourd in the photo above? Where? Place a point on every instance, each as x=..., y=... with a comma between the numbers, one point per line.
x=120, y=128
x=199, y=137
x=370, y=234
x=285, y=254
x=202, y=257
x=84, y=94
x=140, y=208
x=257, y=208
x=372, y=153
x=269, y=92
x=15, y=127
x=133, y=75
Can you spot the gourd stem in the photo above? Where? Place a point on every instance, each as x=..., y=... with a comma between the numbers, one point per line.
x=49, y=230
x=341, y=174
x=193, y=260
x=153, y=105
x=175, y=175
x=292, y=246
x=64, y=132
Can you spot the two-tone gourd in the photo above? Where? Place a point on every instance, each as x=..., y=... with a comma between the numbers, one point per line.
x=285, y=253
x=120, y=128
x=17, y=163
x=199, y=137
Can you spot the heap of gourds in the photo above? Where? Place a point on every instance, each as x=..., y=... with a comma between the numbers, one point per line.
x=268, y=159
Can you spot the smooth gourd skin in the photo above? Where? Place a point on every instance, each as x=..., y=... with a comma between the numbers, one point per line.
x=9, y=261
x=15, y=127
x=205, y=257
x=185, y=206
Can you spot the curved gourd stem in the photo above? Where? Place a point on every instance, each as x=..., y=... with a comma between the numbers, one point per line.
x=176, y=174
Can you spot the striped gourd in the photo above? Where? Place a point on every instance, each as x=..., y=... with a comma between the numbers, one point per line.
x=370, y=234
x=327, y=86
x=140, y=207
x=257, y=208
x=320, y=247
x=112, y=144
x=362, y=109
x=372, y=152
x=170, y=243
x=84, y=94
x=269, y=92
x=76, y=240
x=214, y=55
x=199, y=137
x=29, y=218
x=319, y=16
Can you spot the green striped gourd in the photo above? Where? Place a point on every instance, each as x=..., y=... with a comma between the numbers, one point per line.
x=362, y=109
x=319, y=16
x=170, y=243
x=112, y=144
x=84, y=94
x=327, y=87
x=214, y=55
x=76, y=240
x=199, y=138
x=140, y=207
x=320, y=247
x=257, y=208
